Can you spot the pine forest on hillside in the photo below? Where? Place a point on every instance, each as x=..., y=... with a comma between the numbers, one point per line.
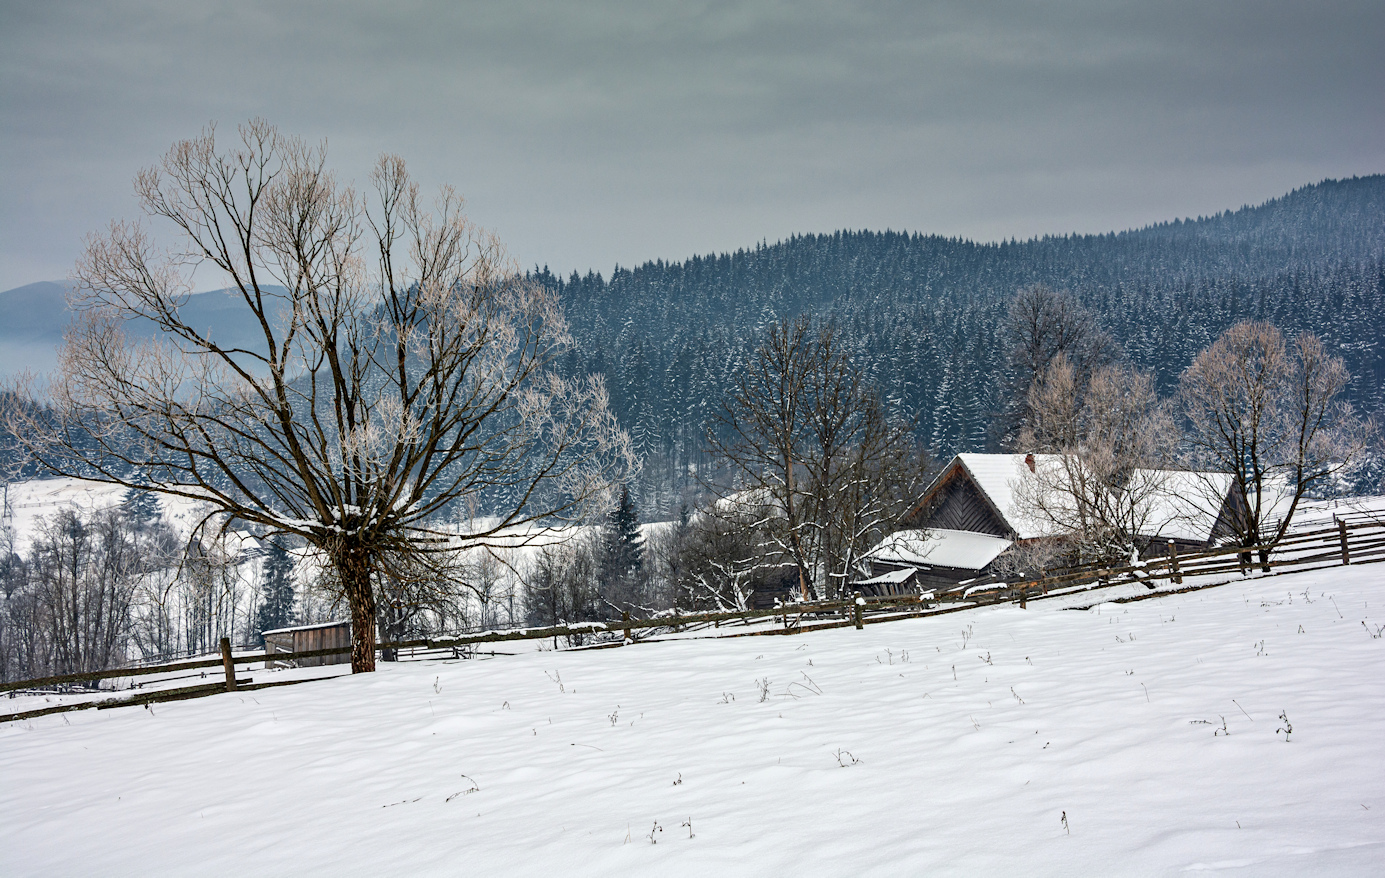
x=923, y=315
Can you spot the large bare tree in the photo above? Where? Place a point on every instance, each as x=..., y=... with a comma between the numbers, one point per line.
x=1269, y=413
x=401, y=366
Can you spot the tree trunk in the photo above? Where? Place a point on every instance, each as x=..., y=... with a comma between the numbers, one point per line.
x=353, y=564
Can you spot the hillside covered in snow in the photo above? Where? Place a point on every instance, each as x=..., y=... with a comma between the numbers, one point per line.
x=1234, y=730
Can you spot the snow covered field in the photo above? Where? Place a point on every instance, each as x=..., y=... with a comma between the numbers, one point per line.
x=1143, y=738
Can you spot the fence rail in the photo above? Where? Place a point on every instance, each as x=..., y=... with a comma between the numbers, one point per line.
x=1348, y=542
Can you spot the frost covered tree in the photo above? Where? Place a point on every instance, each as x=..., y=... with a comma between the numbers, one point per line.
x=1104, y=441
x=402, y=364
x=1269, y=412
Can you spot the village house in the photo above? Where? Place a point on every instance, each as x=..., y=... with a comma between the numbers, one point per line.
x=976, y=510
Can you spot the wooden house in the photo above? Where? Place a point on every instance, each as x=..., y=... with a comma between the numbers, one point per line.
x=301, y=638
x=977, y=495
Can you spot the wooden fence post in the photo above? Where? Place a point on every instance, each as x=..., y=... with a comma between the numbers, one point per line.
x=625, y=617
x=229, y=665
x=1175, y=574
x=859, y=603
x=1342, y=530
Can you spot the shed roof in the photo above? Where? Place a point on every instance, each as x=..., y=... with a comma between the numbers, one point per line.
x=939, y=547
x=305, y=627
x=889, y=577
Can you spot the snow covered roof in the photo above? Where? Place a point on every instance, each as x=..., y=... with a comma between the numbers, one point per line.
x=939, y=547
x=1183, y=505
x=999, y=476
x=751, y=501
x=889, y=577
x=305, y=627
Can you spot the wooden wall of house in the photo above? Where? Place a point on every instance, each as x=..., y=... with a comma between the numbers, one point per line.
x=1230, y=518
x=771, y=586
x=942, y=578
x=1159, y=547
x=957, y=504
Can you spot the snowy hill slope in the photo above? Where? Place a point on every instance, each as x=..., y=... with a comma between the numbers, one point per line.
x=1144, y=738
x=38, y=500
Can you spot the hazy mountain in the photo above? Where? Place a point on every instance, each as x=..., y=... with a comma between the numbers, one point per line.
x=33, y=318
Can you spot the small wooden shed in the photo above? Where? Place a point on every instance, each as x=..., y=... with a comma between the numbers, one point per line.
x=301, y=638
x=891, y=583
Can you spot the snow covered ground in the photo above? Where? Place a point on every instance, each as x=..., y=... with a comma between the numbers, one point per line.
x=1143, y=738
x=36, y=499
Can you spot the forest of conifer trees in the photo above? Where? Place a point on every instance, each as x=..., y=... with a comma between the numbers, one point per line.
x=924, y=316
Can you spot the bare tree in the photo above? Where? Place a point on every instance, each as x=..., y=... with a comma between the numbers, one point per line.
x=73, y=611
x=211, y=585
x=861, y=496
x=1042, y=324
x=762, y=433
x=403, y=366
x=714, y=562
x=1099, y=482
x=560, y=583
x=1269, y=413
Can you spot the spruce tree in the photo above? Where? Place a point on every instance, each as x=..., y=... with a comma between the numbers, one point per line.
x=276, y=590
x=622, y=552
x=142, y=507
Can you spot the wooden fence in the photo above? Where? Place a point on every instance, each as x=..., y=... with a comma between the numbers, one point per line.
x=1354, y=542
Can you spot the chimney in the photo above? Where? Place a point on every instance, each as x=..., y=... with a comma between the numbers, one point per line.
x=1029, y=461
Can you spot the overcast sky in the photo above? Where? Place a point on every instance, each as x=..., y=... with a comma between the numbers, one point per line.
x=595, y=133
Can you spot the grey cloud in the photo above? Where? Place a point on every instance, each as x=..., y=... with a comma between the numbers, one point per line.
x=587, y=134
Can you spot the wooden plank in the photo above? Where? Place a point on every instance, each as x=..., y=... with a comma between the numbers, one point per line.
x=110, y=674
